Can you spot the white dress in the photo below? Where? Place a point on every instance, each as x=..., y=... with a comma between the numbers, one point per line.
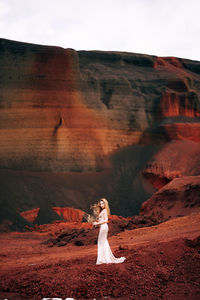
x=104, y=253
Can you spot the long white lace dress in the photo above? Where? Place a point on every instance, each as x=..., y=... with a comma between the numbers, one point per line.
x=104, y=253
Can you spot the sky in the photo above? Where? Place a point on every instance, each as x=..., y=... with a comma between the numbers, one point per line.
x=154, y=27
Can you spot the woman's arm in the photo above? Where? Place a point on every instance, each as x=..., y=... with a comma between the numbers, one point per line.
x=104, y=219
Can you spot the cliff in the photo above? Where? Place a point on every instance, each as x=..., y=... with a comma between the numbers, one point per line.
x=63, y=110
x=108, y=121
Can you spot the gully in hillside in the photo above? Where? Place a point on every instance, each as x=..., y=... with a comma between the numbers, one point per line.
x=105, y=255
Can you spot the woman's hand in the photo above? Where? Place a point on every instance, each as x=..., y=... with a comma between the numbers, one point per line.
x=94, y=223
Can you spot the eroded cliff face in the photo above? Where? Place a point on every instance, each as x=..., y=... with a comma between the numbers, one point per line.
x=30, y=215
x=70, y=214
x=63, y=110
x=44, y=122
x=131, y=119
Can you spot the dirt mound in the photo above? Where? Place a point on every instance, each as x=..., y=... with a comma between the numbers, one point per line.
x=180, y=197
x=85, y=234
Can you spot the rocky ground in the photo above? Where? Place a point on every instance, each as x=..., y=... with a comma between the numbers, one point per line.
x=162, y=262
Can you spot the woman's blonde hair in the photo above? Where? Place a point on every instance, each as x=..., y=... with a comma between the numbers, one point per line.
x=97, y=208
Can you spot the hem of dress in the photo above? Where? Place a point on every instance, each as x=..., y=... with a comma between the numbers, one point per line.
x=119, y=262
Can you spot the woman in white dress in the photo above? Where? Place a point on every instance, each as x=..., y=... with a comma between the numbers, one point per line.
x=104, y=252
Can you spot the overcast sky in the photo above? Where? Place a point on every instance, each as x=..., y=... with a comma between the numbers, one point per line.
x=155, y=27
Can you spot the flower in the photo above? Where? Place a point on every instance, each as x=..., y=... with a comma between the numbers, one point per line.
x=89, y=218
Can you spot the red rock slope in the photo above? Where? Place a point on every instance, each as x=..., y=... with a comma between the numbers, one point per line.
x=180, y=197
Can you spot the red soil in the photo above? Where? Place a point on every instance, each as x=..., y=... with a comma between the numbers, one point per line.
x=162, y=262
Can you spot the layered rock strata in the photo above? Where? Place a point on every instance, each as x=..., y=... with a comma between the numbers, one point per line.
x=70, y=214
x=79, y=125
x=63, y=110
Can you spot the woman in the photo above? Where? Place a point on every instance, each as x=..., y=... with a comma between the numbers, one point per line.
x=105, y=255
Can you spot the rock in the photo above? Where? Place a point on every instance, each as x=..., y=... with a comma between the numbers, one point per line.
x=193, y=243
x=180, y=197
x=123, y=247
x=61, y=243
x=78, y=243
x=175, y=159
x=69, y=214
x=30, y=215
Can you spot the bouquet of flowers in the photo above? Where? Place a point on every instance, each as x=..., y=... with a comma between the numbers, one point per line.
x=89, y=218
x=92, y=217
